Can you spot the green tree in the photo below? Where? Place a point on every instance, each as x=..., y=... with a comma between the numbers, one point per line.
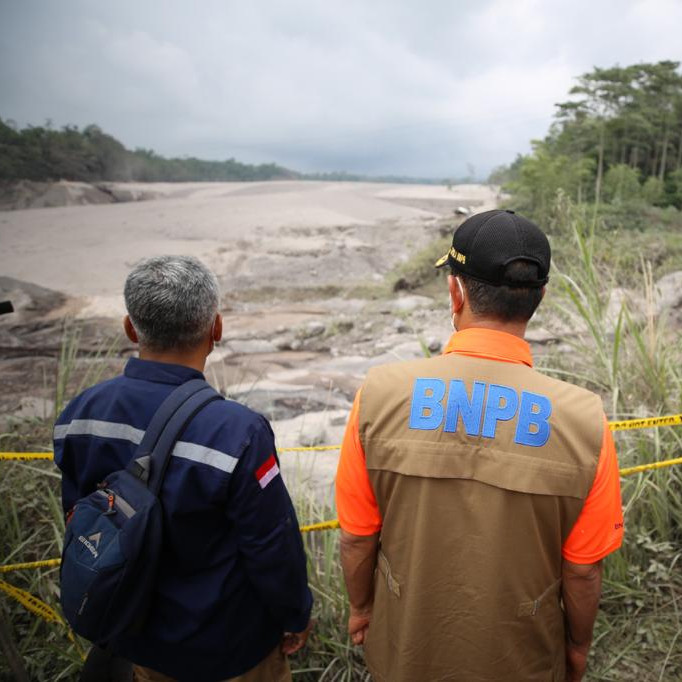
x=653, y=191
x=621, y=184
x=617, y=118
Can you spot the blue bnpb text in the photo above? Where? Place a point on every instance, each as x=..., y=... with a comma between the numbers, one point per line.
x=481, y=411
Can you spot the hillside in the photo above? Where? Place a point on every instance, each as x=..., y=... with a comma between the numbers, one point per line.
x=43, y=153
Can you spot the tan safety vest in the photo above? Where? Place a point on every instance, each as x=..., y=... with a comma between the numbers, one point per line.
x=480, y=470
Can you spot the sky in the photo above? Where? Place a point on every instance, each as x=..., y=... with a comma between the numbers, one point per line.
x=422, y=88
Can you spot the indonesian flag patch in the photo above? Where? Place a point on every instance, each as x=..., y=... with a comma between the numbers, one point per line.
x=267, y=471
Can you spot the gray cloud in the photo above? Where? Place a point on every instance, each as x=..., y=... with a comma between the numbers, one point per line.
x=390, y=86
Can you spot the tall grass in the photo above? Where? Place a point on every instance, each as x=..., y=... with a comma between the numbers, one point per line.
x=629, y=353
x=32, y=522
x=329, y=654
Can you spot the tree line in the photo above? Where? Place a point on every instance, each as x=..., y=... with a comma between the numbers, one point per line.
x=43, y=153
x=617, y=140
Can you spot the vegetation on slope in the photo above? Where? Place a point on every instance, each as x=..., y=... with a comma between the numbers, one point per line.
x=618, y=140
x=91, y=155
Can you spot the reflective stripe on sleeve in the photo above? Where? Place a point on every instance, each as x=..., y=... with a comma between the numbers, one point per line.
x=205, y=455
x=97, y=427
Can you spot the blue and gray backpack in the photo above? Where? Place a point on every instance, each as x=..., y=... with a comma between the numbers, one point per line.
x=114, y=535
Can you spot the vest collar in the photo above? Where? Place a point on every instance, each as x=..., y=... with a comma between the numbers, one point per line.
x=490, y=344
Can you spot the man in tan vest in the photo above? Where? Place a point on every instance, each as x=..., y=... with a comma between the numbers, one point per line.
x=477, y=497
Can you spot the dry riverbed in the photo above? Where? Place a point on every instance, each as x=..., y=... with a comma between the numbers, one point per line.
x=306, y=270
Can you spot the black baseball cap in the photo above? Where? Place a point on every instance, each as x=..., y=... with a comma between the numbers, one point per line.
x=483, y=245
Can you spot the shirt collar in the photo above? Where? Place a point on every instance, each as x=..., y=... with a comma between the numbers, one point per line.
x=160, y=372
x=490, y=344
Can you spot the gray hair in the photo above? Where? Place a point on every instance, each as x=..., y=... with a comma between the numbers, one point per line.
x=172, y=301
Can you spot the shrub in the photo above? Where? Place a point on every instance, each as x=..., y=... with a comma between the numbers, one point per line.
x=652, y=191
x=621, y=184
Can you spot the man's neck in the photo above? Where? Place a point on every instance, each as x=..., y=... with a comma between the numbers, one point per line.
x=515, y=328
x=195, y=359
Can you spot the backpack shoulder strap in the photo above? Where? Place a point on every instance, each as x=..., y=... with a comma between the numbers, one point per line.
x=169, y=421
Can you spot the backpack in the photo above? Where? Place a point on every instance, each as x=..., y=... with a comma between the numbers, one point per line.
x=114, y=535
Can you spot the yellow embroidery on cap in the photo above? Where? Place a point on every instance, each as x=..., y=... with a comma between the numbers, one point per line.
x=459, y=257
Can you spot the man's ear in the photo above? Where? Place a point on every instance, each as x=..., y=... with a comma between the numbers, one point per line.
x=218, y=328
x=129, y=329
x=456, y=293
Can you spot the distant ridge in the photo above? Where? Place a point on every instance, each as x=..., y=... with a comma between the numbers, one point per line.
x=47, y=154
x=43, y=154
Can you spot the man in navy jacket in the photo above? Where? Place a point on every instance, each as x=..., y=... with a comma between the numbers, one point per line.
x=232, y=598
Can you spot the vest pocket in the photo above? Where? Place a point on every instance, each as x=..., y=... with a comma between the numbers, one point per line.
x=385, y=569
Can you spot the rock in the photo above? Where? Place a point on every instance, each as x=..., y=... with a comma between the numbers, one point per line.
x=618, y=298
x=296, y=345
x=400, y=326
x=407, y=304
x=28, y=298
x=29, y=194
x=405, y=351
x=313, y=434
x=251, y=346
x=462, y=210
x=122, y=193
x=318, y=427
x=283, y=343
x=312, y=329
x=668, y=292
x=344, y=325
x=539, y=335
x=401, y=284
x=433, y=344
x=31, y=407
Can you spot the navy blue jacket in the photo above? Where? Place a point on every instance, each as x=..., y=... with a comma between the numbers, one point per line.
x=233, y=568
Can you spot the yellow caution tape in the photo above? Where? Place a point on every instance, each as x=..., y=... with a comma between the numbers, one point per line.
x=310, y=448
x=333, y=524
x=625, y=424
x=323, y=525
x=33, y=604
x=47, y=613
x=29, y=565
x=23, y=456
x=646, y=423
x=649, y=467
x=46, y=563
x=20, y=456
x=40, y=609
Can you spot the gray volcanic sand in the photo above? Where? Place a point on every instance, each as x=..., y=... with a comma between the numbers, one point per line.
x=292, y=258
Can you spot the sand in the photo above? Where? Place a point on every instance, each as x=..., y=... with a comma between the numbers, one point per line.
x=242, y=230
